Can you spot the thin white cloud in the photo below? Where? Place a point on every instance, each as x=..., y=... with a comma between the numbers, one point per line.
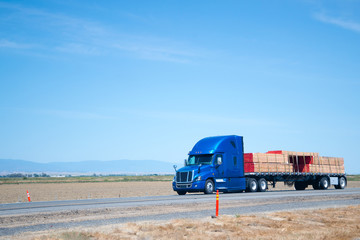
x=346, y=24
x=79, y=49
x=72, y=35
x=4, y=43
x=189, y=117
x=200, y=118
x=157, y=51
x=45, y=18
x=73, y=114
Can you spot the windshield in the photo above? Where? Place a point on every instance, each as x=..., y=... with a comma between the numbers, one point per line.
x=205, y=159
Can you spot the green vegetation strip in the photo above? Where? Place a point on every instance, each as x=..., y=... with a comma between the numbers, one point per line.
x=92, y=179
x=162, y=178
x=353, y=177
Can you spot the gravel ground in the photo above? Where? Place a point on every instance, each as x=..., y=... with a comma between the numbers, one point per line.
x=318, y=224
x=174, y=207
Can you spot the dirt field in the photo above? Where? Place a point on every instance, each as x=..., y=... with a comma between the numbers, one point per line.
x=332, y=223
x=11, y=193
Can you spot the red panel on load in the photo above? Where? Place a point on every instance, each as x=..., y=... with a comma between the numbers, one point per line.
x=303, y=162
x=302, y=168
x=248, y=157
x=275, y=152
x=248, y=167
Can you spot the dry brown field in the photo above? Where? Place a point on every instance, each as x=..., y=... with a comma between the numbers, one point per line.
x=11, y=193
x=332, y=223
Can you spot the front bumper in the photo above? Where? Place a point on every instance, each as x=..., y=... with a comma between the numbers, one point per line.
x=189, y=186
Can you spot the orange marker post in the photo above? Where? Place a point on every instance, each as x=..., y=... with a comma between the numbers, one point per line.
x=217, y=203
x=28, y=195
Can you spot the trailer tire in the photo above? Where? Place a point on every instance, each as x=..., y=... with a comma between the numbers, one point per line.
x=300, y=185
x=262, y=185
x=342, y=183
x=252, y=185
x=181, y=192
x=324, y=183
x=209, y=187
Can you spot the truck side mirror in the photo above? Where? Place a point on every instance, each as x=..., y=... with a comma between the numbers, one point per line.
x=185, y=162
x=174, y=166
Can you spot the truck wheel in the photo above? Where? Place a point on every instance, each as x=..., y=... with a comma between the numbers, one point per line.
x=324, y=183
x=181, y=192
x=209, y=187
x=262, y=185
x=300, y=185
x=252, y=185
x=342, y=183
x=316, y=185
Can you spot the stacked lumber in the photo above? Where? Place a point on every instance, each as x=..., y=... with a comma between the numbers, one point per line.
x=289, y=161
x=292, y=153
x=264, y=162
x=328, y=165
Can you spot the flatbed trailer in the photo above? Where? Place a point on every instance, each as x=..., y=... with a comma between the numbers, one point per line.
x=300, y=180
x=301, y=169
x=219, y=163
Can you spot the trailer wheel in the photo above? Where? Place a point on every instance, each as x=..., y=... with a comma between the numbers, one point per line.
x=262, y=185
x=209, y=187
x=300, y=185
x=181, y=192
x=324, y=183
x=252, y=185
x=342, y=183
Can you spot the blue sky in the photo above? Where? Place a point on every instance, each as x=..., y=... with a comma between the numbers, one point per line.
x=109, y=80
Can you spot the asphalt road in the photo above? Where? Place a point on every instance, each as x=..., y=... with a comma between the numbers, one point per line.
x=262, y=202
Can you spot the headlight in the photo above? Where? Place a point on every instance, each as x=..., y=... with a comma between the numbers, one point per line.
x=174, y=178
x=198, y=178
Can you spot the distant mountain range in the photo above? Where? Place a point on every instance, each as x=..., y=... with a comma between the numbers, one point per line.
x=107, y=167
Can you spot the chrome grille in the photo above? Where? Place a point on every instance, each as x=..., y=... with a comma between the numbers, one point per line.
x=183, y=177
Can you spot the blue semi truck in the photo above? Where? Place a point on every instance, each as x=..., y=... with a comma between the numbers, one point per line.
x=217, y=163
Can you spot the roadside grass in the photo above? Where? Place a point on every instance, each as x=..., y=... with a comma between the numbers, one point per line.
x=74, y=236
x=87, y=179
x=353, y=177
x=331, y=223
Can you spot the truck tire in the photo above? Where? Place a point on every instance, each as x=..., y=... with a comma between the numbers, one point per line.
x=181, y=192
x=209, y=187
x=252, y=185
x=316, y=185
x=324, y=183
x=300, y=185
x=342, y=183
x=262, y=185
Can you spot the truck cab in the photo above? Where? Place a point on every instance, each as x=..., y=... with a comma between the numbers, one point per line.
x=214, y=163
